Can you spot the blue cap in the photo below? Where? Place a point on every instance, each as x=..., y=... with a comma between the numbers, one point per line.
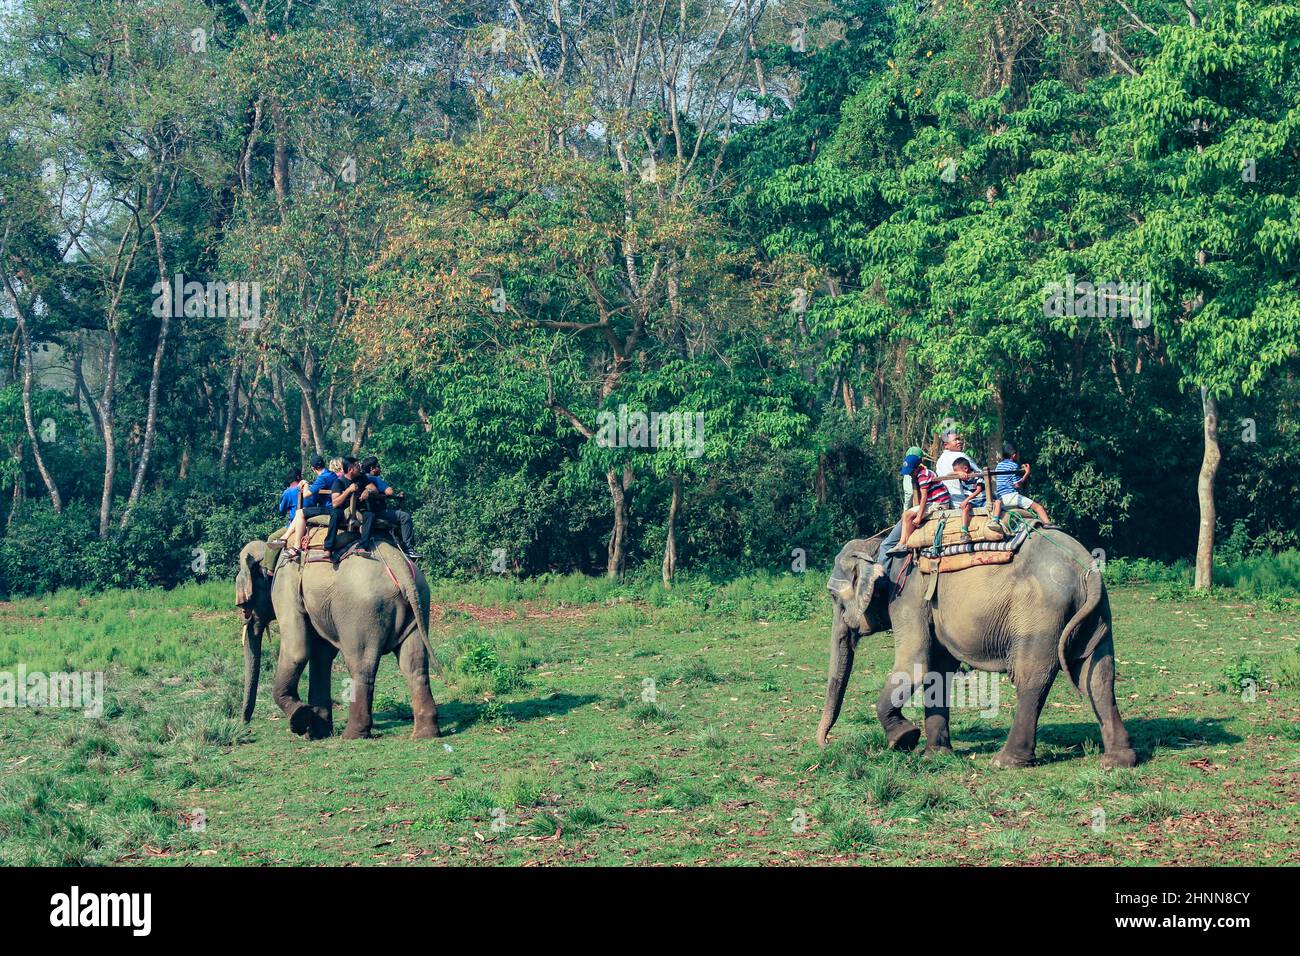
x=909, y=464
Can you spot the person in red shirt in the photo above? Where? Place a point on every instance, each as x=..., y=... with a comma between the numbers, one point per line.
x=931, y=494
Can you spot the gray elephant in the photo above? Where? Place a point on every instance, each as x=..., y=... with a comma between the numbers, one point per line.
x=1044, y=612
x=364, y=607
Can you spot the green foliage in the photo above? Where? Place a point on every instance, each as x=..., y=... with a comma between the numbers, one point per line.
x=1242, y=674
x=918, y=184
x=482, y=666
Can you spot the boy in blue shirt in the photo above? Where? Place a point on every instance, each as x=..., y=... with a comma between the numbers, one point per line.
x=972, y=486
x=1009, y=481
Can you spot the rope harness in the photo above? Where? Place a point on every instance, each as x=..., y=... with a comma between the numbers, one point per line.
x=936, y=548
x=1015, y=522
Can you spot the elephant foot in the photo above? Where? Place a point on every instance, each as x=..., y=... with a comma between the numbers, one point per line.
x=1118, y=758
x=1012, y=761
x=425, y=731
x=301, y=720
x=358, y=734
x=903, y=737
x=938, y=749
x=322, y=728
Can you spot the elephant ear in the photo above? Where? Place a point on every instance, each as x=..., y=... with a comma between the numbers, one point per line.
x=852, y=581
x=250, y=564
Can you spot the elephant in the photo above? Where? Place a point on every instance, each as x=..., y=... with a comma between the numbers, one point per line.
x=364, y=607
x=1047, y=610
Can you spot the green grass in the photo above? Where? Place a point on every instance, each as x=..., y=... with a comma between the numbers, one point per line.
x=1275, y=577
x=552, y=754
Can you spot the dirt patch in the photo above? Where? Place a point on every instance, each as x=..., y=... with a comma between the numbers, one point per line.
x=554, y=613
x=500, y=615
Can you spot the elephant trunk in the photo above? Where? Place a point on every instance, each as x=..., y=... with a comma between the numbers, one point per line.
x=252, y=664
x=837, y=683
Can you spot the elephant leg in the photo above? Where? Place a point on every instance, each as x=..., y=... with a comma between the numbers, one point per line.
x=937, y=694
x=320, y=689
x=900, y=733
x=361, y=710
x=903, y=680
x=415, y=665
x=1032, y=686
x=913, y=629
x=1097, y=680
x=295, y=643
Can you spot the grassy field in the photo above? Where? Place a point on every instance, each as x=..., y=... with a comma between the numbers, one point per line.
x=552, y=754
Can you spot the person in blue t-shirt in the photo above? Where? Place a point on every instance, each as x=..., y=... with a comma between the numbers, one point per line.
x=383, y=508
x=319, y=489
x=315, y=501
x=291, y=497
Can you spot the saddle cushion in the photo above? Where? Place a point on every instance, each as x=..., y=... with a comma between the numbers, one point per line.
x=923, y=537
x=960, y=562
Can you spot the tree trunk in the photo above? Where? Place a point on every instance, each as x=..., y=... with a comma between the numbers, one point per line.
x=675, y=307
x=277, y=399
x=670, y=539
x=280, y=160
x=18, y=485
x=618, y=537
x=82, y=389
x=232, y=412
x=310, y=404
x=900, y=384
x=155, y=377
x=999, y=426
x=29, y=374
x=304, y=432
x=360, y=437
x=106, y=402
x=1205, y=493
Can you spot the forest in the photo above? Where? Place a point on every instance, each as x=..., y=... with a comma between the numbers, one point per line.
x=471, y=237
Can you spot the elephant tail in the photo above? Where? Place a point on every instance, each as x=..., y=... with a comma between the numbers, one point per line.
x=413, y=588
x=1092, y=594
